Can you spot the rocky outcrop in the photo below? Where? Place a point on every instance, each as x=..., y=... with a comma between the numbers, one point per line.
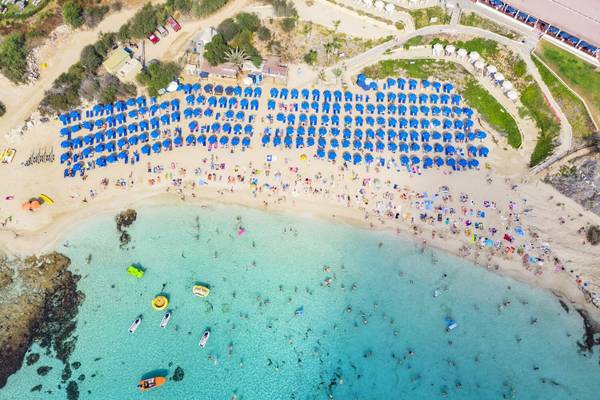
x=38, y=304
x=124, y=219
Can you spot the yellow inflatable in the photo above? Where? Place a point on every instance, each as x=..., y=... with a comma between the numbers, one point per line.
x=160, y=302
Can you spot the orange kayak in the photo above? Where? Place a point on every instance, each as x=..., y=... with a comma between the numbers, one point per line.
x=150, y=383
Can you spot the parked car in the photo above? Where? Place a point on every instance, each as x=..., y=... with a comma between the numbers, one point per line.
x=161, y=29
x=173, y=23
x=153, y=38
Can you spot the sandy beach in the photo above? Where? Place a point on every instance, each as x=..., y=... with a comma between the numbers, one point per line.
x=369, y=197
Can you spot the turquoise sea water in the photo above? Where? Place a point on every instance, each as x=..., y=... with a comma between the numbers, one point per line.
x=377, y=332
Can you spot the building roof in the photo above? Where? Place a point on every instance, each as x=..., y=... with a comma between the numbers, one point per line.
x=130, y=69
x=116, y=60
x=226, y=69
x=273, y=66
x=580, y=18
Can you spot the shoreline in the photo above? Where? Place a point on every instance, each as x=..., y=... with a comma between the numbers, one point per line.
x=48, y=237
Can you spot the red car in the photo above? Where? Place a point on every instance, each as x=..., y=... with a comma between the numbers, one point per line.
x=153, y=38
x=173, y=24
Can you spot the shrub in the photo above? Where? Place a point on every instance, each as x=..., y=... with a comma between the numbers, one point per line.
x=93, y=15
x=593, y=235
x=64, y=93
x=520, y=68
x=90, y=59
x=72, y=13
x=13, y=57
x=143, y=22
x=288, y=24
x=2, y=109
x=204, y=7
x=311, y=57
x=248, y=21
x=264, y=34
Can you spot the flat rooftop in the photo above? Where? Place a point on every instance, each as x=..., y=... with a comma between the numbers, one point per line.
x=580, y=18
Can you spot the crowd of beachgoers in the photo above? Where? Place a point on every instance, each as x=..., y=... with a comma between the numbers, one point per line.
x=494, y=231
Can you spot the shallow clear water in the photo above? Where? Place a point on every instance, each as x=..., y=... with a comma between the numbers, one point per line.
x=329, y=350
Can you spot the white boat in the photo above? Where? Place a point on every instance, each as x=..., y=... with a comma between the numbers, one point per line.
x=165, y=319
x=134, y=325
x=204, y=339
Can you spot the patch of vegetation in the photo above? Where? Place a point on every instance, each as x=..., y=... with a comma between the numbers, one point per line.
x=492, y=111
x=414, y=41
x=82, y=81
x=569, y=103
x=400, y=25
x=234, y=33
x=485, y=47
x=473, y=19
x=429, y=16
x=520, y=68
x=2, y=109
x=418, y=69
x=283, y=8
x=288, y=24
x=363, y=13
x=13, y=57
x=158, y=75
x=203, y=8
x=72, y=13
x=581, y=76
x=311, y=57
x=14, y=13
x=533, y=99
x=593, y=235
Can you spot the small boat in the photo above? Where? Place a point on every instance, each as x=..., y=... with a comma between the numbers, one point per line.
x=450, y=324
x=151, y=383
x=200, y=291
x=299, y=311
x=134, y=325
x=204, y=339
x=165, y=319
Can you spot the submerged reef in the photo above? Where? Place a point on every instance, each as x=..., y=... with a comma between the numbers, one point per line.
x=124, y=219
x=39, y=301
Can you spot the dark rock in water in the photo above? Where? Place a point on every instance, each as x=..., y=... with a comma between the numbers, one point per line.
x=81, y=378
x=563, y=305
x=66, y=373
x=76, y=365
x=43, y=311
x=178, y=374
x=125, y=219
x=32, y=358
x=36, y=388
x=72, y=391
x=43, y=371
x=590, y=329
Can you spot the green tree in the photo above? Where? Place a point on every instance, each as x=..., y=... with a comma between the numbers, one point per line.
x=158, y=75
x=90, y=59
x=72, y=13
x=248, y=21
x=264, y=34
x=105, y=43
x=144, y=22
x=185, y=6
x=13, y=57
x=311, y=57
x=229, y=29
x=124, y=33
x=215, y=50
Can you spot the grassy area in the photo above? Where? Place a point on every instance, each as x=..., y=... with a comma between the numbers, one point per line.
x=473, y=19
x=533, y=99
x=485, y=47
x=414, y=41
x=569, y=103
x=13, y=12
x=492, y=111
x=578, y=74
x=418, y=69
x=423, y=16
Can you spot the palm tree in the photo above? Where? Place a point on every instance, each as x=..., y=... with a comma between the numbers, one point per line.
x=237, y=57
